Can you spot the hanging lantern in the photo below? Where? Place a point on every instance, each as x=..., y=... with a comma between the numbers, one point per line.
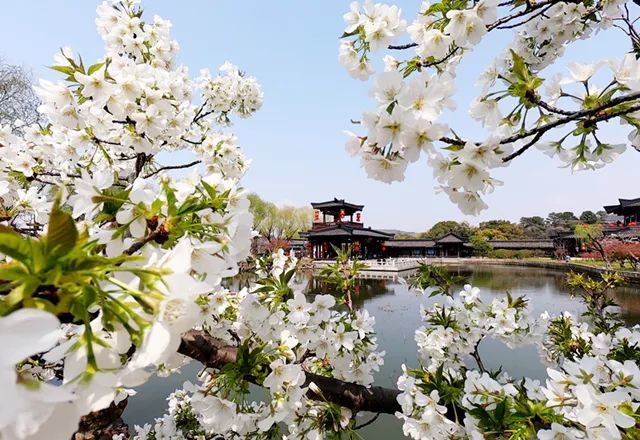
x=356, y=247
x=325, y=246
x=316, y=215
x=358, y=217
x=341, y=214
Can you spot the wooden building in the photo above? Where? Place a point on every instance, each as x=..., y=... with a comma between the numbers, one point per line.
x=623, y=223
x=339, y=223
x=449, y=245
x=455, y=246
x=628, y=210
x=532, y=244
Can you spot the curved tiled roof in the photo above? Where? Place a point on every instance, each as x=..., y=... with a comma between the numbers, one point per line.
x=451, y=238
x=342, y=230
x=336, y=204
x=622, y=204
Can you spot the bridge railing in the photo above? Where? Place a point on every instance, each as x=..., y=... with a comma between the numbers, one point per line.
x=392, y=263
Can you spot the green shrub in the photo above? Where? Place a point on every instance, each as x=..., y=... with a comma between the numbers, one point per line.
x=517, y=254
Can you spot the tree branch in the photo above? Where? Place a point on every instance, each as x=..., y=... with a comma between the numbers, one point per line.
x=529, y=9
x=215, y=353
x=173, y=167
x=539, y=131
x=135, y=247
x=553, y=109
x=525, y=21
x=403, y=46
x=524, y=148
x=373, y=419
x=592, y=116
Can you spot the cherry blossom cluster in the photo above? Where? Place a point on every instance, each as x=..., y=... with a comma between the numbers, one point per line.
x=591, y=390
x=440, y=343
x=376, y=26
x=109, y=258
x=413, y=92
x=113, y=258
x=579, y=88
x=123, y=30
x=281, y=333
x=230, y=93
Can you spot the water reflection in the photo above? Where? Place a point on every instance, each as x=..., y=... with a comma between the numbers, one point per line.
x=397, y=316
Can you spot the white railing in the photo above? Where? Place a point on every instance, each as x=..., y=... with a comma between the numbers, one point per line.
x=382, y=265
x=395, y=264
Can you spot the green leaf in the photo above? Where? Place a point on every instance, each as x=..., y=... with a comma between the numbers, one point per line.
x=115, y=200
x=501, y=410
x=13, y=245
x=67, y=70
x=94, y=68
x=210, y=189
x=350, y=34
x=62, y=234
x=519, y=69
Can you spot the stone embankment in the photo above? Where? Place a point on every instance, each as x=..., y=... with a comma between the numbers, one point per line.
x=403, y=266
x=629, y=276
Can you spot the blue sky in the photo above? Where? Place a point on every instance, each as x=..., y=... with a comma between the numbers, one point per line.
x=296, y=141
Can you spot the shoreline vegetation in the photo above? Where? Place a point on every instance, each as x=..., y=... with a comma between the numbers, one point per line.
x=588, y=266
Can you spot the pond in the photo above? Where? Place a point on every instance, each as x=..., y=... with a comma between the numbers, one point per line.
x=397, y=316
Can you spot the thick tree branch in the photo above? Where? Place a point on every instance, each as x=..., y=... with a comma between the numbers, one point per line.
x=215, y=353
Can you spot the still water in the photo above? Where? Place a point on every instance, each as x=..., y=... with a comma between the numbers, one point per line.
x=397, y=316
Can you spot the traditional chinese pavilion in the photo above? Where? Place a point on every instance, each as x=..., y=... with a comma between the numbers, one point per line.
x=628, y=210
x=339, y=223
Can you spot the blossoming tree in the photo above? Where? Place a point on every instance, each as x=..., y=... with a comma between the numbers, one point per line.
x=562, y=116
x=113, y=262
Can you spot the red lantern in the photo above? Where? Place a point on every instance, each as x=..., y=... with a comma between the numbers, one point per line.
x=325, y=247
x=316, y=216
x=356, y=247
x=341, y=214
x=384, y=248
x=358, y=217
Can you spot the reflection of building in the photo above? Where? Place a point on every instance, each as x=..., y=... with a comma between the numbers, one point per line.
x=339, y=223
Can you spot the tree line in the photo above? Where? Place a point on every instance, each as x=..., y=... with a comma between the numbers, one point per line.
x=278, y=222
x=536, y=227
